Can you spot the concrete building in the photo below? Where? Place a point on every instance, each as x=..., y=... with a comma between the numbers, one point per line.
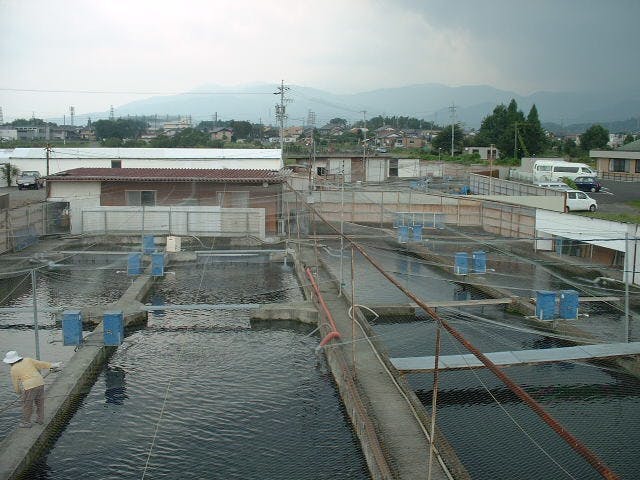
x=173, y=201
x=485, y=153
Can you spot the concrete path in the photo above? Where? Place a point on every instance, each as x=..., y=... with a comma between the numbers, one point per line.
x=401, y=434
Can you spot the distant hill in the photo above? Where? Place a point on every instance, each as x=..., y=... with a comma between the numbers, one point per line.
x=427, y=101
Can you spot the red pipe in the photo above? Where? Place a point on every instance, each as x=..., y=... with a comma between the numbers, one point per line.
x=334, y=333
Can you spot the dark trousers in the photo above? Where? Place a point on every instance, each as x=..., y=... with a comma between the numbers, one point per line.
x=29, y=397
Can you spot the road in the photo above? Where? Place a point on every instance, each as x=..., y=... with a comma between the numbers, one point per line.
x=613, y=197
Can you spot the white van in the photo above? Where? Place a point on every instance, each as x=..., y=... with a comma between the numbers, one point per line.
x=576, y=200
x=554, y=170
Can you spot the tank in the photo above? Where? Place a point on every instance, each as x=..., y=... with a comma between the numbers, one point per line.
x=461, y=265
x=546, y=305
x=569, y=304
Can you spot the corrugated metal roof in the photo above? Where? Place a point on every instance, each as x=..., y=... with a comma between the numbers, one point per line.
x=151, y=153
x=169, y=175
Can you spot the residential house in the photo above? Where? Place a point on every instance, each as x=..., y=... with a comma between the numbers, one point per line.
x=486, y=153
x=221, y=133
x=170, y=201
x=622, y=163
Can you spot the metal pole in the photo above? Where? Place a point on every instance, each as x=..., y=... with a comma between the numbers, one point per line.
x=434, y=398
x=353, y=311
x=341, y=230
x=625, y=278
x=142, y=231
x=35, y=312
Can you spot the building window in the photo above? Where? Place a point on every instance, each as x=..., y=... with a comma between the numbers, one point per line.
x=322, y=171
x=141, y=198
x=637, y=166
x=619, y=165
x=116, y=163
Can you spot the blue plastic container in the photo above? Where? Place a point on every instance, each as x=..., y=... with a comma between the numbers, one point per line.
x=479, y=262
x=545, y=305
x=157, y=264
x=461, y=265
x=148, y=244
x=417, y=233
x=72, y=327
x=113, y=325
x=569, y=304
x=403, y=233
x=134, y=263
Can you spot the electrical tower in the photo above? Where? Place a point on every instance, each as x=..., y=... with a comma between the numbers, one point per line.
x=111, y=114
x=311, y=118
x=281, y=115
x=72, y=113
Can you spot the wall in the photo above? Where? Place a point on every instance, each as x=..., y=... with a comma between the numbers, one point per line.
x=517, y=193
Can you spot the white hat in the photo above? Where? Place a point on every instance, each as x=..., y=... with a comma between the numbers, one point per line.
x=12, y=357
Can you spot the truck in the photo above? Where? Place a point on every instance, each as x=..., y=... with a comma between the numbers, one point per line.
x=30, y=179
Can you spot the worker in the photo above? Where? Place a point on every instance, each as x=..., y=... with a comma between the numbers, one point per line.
x=27, y=380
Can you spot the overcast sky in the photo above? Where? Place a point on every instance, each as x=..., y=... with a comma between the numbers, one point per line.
x=342, y=46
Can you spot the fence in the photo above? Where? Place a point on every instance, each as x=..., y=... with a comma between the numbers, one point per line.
x=22, y=226
x=620, y=176
x=199, y=221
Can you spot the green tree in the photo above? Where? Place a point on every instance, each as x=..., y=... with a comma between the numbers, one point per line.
x=443, y=139
x=9, y=172
x=629, y=138
x=338, y=121
x=121, y=128
x=570, y=148
x=534, y=136
x=596, y=136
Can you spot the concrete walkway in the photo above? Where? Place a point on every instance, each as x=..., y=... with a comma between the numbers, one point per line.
x=391, y=406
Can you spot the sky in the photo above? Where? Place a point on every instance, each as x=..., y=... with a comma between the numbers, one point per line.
x=93, y=54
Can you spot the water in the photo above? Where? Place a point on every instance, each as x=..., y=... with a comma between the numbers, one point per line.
x=202, y=395
x=493, y=432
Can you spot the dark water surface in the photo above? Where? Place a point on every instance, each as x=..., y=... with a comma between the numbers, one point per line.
x=199, y=394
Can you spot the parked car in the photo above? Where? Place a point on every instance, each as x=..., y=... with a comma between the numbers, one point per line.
x=577, y=200
x=587, y=184
x=29, y=179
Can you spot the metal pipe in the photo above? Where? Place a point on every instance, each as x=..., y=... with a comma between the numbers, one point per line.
x=334, y=330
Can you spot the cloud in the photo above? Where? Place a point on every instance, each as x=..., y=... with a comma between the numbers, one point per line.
x=344, y=47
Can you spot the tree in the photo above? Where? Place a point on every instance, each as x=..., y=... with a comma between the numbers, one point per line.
x=9, y=172
x=596, y=136
x=533, y=134
x=570, y=148
x=628, y=139
x=121, y=128
x=443, y=139
x=338, y=121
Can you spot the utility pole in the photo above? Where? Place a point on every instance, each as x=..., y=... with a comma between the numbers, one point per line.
x=280, y=116
x=1, y=116
x=452, y=109
x=490, y=168
x=72, y=114
x=515, y=141
x=364, y=144
x=47, y=150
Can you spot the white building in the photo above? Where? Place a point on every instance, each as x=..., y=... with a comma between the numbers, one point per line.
x=61, y=159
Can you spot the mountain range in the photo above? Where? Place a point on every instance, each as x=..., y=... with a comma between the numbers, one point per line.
x=431, y=102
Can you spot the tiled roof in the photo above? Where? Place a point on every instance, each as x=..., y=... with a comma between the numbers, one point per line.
x=631, y=147
x=169, y=175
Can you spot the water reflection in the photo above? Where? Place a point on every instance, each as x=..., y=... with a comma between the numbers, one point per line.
x=115, y=387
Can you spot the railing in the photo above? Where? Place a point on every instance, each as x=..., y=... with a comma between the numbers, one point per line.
x=620, y=176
